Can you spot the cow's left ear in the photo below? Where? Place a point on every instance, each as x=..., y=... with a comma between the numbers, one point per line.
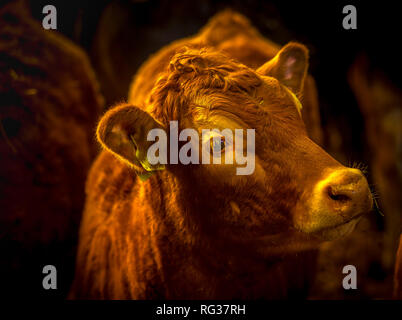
x=289, y=66
x=123, y=131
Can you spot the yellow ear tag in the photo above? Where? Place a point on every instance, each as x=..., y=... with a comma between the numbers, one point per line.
x=143, y=161
x=144, y=176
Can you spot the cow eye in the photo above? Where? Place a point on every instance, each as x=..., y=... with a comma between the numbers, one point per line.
x=218, y=145
x=261, y=101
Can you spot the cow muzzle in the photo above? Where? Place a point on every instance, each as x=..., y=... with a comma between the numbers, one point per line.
x=336, y=204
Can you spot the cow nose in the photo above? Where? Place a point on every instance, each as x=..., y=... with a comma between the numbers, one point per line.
x=347, y=193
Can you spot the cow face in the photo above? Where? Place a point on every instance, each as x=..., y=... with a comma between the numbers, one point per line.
x=294, y=188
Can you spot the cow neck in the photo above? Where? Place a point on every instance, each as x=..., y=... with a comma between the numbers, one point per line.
x=181, y=209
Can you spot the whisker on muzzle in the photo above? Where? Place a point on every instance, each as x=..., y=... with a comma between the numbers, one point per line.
x=374, y=193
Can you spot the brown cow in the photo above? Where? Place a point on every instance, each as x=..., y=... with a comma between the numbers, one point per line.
x=49, y=106
x=201, y=231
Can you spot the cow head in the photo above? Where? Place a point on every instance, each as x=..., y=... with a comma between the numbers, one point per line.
x=295, y=189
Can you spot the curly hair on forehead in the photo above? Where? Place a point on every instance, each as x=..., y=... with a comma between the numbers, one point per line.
x=193, y=70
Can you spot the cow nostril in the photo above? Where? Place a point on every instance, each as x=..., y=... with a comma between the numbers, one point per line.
x=337, y=196
x=343, y=194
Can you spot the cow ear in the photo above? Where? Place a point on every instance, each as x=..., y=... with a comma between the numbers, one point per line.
x=289, y=66
x=123, y=131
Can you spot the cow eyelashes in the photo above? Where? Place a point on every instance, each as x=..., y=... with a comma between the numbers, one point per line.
x=217, y=142
x=218, y=145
